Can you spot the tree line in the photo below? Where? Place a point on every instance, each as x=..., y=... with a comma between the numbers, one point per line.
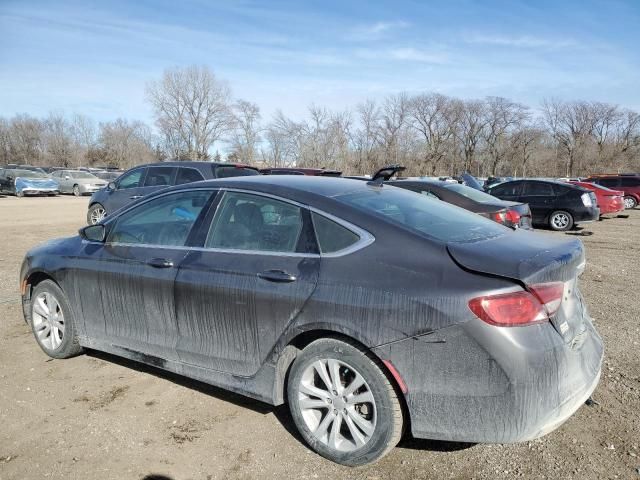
x=429, y=133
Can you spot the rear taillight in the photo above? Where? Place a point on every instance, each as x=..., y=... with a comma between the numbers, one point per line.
x=513, y=217
x=586, y=200
x=516, y=309
x=500, y=216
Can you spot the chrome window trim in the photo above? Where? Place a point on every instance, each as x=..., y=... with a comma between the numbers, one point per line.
x=366, y=238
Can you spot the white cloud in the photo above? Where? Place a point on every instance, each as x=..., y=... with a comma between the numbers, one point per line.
x=521, y=41
x=403, y=54
x=377, y=30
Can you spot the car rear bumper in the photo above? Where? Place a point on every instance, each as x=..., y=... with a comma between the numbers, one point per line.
x=457, y=391
x=586, y=214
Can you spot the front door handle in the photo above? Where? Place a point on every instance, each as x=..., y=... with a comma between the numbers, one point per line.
x=160, y=263
x=135, y=197
x=278, y=276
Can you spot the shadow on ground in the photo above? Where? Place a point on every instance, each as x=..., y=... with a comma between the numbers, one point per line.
x=281, y=412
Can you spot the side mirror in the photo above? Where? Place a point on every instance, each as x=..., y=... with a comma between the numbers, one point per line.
x=111, y=186
x=93, y=233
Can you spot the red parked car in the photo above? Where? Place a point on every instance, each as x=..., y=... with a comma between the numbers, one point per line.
x=629, y=183
x=609, y=201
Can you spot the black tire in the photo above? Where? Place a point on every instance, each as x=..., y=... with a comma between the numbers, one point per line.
x=389, y=419
x=93, y=209
x=561, y=221
x=630, y=202
x=69, y=345
x=76, y=191
x=19, y=194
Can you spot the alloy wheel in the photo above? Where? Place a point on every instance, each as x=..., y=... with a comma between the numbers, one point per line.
x=337, y=405
x=560, y=221
x=97, y=214
x=76, y=190
x=48, y=321
x=629, y=202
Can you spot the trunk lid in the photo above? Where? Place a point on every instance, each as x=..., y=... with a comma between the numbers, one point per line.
x=531, y=258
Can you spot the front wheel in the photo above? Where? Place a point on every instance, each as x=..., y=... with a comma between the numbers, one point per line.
x=561, y=221
x=343, y=404
x=52, y=321
x=19, y=193
x=95, y=214
x=629, y=202
x=76, y=190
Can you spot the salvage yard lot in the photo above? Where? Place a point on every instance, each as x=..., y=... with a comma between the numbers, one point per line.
x=97, y=416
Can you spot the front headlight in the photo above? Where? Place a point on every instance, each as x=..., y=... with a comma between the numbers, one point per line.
x=586, y=200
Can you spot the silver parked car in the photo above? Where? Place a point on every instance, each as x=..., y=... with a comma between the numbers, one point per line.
x=78, y=182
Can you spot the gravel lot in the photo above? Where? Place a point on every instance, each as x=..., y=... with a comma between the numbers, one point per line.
x=100, y=417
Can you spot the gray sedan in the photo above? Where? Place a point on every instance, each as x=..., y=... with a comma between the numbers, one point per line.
x=78, y=182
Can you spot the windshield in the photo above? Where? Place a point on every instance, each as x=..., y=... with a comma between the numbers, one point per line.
x=83, y=175
x=423, y=214
x=472, y=193
x=28, y=174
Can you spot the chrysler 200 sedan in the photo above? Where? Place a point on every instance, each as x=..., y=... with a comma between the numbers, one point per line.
x=369, y=309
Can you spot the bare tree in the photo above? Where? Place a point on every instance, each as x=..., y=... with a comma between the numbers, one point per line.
x=393, y=118
x=433, y=116
x=471, y=122
x=192, y=110
x=125, y=143
x=245, y=136
x=502, y=116
x=366, y=137
x=26, y=139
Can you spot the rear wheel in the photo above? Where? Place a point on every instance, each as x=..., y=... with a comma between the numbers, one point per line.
x=343, y=404
x=630, y=202
x=561, y=221
x=19, y=193
x=95, y=214
x=52, y=321
x=76, y=190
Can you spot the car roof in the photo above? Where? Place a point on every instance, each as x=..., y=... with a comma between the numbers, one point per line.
x=193, y=163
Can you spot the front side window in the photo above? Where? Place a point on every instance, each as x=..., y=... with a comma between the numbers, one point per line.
x=163, y=221
x=131, y=179
x=159, y=176
x=332, y=237
x=253, y=222
x=507, y=189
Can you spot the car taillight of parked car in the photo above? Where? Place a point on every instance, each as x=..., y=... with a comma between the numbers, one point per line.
x=586, y=200
x=513, y=217
x=516, y=309
x=500, y=216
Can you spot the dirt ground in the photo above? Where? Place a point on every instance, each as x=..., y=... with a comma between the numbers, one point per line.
x=99, y=417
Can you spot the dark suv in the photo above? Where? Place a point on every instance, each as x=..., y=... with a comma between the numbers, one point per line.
x=144, y=179
x=629, y=184
x=557, y=205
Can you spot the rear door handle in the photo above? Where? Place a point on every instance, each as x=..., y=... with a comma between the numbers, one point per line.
x=135, y=197
x=160, y=263
x=278, y=276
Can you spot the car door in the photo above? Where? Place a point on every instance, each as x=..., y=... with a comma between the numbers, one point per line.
x=238, y=293
x=135, y=272
x=541, y=199
x=157, y=178
x=65, y=180
x=510, y=191
x=128, y=188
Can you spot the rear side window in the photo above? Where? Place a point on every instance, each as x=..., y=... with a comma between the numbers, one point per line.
x=608, y=182
x=509, y=188
x=188, y=175
x=159, y=176
x=629, y=182
x=538, y=188
x=226, y=171
x=252, y=222
x=332, y=237
x=131, y=179
x=424, y=215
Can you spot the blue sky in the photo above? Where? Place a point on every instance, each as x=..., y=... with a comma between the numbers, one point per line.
x=95, y=57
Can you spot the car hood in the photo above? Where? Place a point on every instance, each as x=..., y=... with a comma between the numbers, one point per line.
x=25, y=182
x=527, y=257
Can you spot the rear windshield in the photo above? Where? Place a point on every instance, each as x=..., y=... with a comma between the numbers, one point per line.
x=424, y=215
x=225, y=171
x=472, y=193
